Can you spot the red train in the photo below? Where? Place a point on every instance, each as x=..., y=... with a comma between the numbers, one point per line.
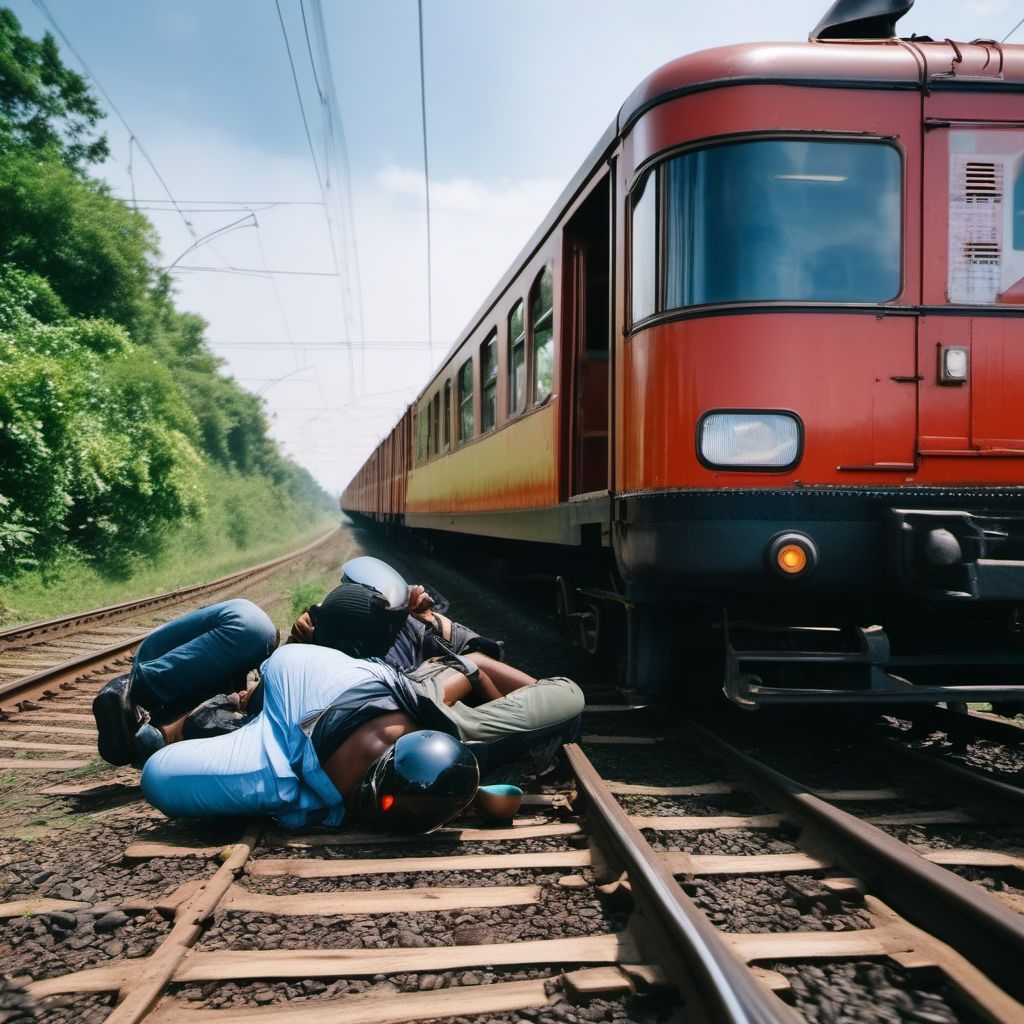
x=765, y=355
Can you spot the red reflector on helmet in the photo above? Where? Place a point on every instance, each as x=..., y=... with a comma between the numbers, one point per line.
x=386, y=802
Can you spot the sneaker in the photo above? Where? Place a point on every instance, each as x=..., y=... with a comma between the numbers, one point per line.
x=117, y=722
x=145, y=743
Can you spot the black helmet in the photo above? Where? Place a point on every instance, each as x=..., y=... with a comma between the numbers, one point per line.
x=355, y=618
x=423, y=781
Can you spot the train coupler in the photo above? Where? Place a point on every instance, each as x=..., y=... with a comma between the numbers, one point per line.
x=825, y=665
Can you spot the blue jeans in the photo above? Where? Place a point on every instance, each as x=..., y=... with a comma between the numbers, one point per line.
x=199, y=655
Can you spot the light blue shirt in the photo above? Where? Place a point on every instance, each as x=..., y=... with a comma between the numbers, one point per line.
x=268, y=766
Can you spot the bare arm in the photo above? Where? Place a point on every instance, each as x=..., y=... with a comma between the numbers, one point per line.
x=347, y=766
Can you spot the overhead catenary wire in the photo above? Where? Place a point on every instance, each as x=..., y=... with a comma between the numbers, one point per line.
x=322, y=186
x=338, y=172
x=256, y=272
x=216, y=233
x=273, y=281
x=426, y=182
x=133, y=139
x=1012, y=30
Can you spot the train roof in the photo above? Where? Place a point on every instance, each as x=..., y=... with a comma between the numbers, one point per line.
x=855, y=64
x=909, y=64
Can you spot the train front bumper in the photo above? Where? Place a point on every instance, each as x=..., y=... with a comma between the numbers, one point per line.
x=947, y=555
x=933, y=544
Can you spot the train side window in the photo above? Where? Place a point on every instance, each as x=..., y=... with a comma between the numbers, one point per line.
x=516, y=360
x=431, y=450
x=644, y=249
x=542, y=324
x=446, y=428
x=466, y=401
x=421, y=436
x=435, y=436
x=489, y=383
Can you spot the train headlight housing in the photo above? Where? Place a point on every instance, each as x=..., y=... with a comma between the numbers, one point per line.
x=736, y=439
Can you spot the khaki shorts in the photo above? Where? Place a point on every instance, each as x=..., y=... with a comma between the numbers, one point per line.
x=430, y=677
x=545, y=704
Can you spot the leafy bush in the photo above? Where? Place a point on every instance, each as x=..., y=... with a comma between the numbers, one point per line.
x=113, y=410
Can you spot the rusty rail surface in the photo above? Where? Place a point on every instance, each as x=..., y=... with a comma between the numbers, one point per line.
x=981, y=929
x=716, y=985
x=37, y=683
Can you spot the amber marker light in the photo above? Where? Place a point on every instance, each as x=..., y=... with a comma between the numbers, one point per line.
x=387, y=802
x=791, y=554
x=791, y=559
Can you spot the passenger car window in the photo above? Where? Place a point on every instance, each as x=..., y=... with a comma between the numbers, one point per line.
x=435, y=437
x=542, y=322
x=778, y=220
x=421, y=435
x=644, y=249
x=489, y=383
x=446, y=429
x=466, y=401
x=516, y=360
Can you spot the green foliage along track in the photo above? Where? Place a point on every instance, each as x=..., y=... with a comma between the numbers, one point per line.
x=121, y=443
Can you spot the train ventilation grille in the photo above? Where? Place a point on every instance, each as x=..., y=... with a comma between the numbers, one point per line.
x=983, y=187
x=983, y=182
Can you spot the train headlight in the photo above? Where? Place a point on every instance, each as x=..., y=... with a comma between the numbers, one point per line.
x=749, y=440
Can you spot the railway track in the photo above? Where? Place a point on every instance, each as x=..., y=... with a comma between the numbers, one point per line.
x=41, y=656
x=272, y=927
x=667, y=868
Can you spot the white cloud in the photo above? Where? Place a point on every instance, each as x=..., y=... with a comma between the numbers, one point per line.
x=327, y=417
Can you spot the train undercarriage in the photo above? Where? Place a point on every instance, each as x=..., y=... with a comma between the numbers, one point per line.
x=889, y=646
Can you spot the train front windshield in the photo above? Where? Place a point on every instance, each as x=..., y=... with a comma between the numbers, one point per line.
x=773, y=220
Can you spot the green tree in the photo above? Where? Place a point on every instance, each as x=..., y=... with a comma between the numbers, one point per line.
x=97, y=254
x=117, y=424
x=44, y=104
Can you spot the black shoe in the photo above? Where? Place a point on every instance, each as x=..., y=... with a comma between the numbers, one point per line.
x=117, y=722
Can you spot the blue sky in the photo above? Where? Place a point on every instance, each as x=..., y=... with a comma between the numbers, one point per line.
x=517, y=94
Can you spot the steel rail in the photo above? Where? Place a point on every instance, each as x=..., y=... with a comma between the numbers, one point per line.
x=716, y=985
x=970, y=786
x=984, y=931
x=63, y=624
x=38, y=683
x=973, y=724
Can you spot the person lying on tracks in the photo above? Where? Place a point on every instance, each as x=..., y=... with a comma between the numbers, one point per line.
x=188, y=678
x=411, y=631
x=336, y=737
x=503, y=712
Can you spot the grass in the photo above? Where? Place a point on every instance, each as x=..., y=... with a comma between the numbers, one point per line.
x=309, y=592
x=242, y=525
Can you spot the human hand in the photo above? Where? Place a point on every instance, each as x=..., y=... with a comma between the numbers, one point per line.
x=420, y=602
x=302, y=630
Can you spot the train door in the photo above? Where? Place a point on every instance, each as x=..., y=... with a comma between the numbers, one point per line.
x=970, y=350
x=588, y=330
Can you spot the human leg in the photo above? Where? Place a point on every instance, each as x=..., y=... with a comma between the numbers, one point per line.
x=206, y=778
x=198, y=655
x=504, y=678
x=507, y=728
x=269, y=766
x=178, y=666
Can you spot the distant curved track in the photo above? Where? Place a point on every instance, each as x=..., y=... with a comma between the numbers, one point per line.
x=45, y=655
